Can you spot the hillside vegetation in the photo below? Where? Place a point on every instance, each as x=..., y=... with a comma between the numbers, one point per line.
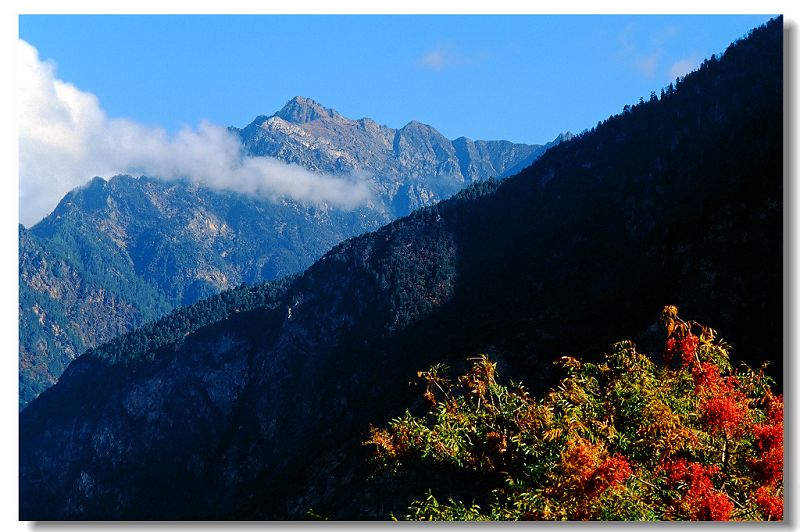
x=686, y=437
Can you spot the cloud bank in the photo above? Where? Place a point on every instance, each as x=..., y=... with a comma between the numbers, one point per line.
x=65, y=138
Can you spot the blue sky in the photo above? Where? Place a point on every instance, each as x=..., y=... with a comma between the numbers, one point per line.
x=103, y=95
x=521, y=78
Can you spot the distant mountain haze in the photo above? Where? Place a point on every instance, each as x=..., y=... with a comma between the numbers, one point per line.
x=117, y=253
x=253, y=404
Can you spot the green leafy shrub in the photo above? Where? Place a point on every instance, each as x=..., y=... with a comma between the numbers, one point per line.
x=627, y=439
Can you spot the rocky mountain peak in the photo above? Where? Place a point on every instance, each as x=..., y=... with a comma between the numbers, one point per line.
x=415, y=125
x=301, y=110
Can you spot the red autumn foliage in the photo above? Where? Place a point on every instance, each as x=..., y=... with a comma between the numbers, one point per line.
x=706, y=376
x=579, y=462
x=612, y=472
x=627, y=439
x=688, y=346
x=700, y=500
x=681, y=349
x=768, y=465
x=769, y=502
x=725, y=414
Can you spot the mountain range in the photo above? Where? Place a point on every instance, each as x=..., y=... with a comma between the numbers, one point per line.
x=409, y=168
x=118, y=253
x=253, y=404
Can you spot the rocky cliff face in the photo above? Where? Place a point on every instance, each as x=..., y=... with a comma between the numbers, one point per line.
x=260, y=414
x=116, y=254
x=48, y=285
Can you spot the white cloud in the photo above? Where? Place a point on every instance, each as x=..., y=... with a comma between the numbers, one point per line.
x=648, y=64
x=683, y=66
x=445, y=56
x=435, y=59
x=65, y=138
